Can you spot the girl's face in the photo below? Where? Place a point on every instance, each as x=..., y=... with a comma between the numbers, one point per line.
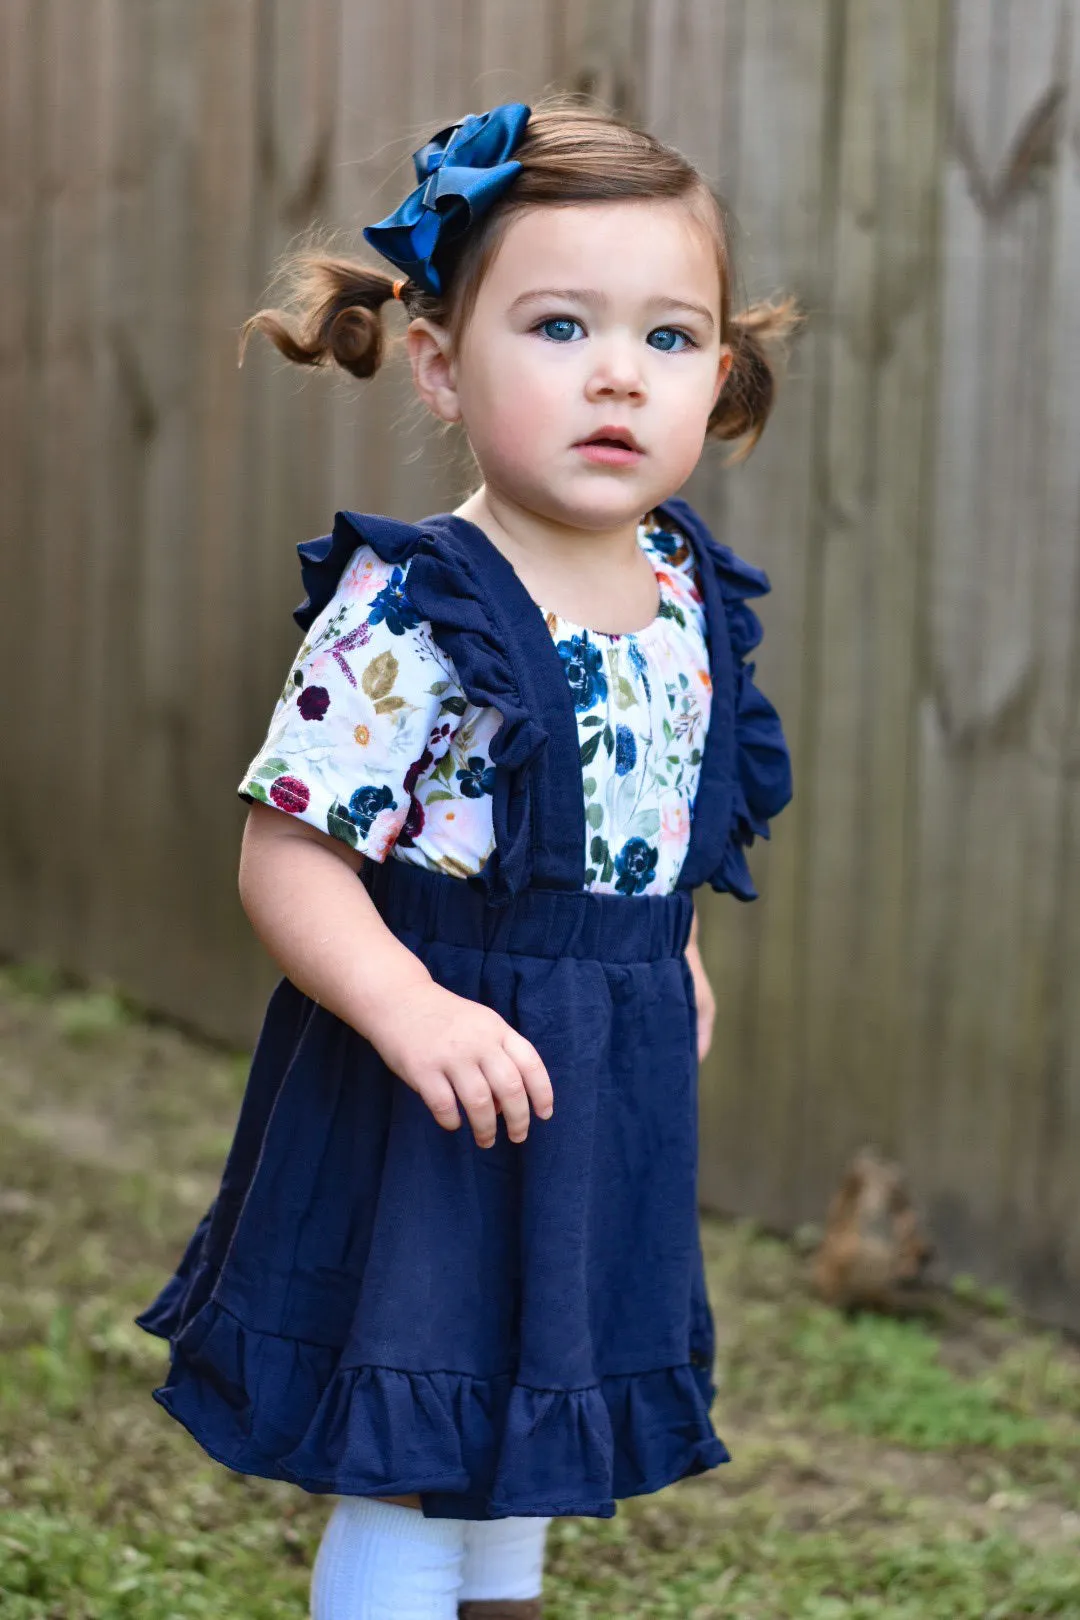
x=591, y=316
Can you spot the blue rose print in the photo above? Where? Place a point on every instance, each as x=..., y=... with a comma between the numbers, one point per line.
x=637, y=658
x=636, y=865
x=625, y=750
x=674, y=548
x=366, y=803
x=478, y=779
x=584, y=665
x=393, y=606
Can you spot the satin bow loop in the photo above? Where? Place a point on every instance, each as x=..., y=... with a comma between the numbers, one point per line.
x=461, y=171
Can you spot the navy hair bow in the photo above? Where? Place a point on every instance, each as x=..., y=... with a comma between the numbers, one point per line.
x=461, y=170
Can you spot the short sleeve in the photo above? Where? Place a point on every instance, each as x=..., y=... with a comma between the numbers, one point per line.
x=369, y=701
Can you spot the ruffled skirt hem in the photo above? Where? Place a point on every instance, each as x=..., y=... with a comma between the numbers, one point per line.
x=471, y=1447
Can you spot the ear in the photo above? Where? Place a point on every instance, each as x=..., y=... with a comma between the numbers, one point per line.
x=434, y=372
x=724, y=366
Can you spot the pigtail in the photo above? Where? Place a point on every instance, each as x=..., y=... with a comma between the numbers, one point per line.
x=332, y=314
x=758, y=338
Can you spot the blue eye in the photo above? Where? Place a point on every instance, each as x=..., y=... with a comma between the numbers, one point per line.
x=563, y=326
x=670, y=334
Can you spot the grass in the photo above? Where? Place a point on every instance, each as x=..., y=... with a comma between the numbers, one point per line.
x=881, y=1468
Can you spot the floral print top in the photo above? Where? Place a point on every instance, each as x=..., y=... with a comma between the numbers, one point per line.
x=374, y=741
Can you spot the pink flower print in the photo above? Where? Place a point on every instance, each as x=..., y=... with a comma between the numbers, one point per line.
x=675, y=823
x=289, y=793
x=383, y=835
x=349, y=643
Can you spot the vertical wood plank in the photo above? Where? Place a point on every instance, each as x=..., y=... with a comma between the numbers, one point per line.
x=123, y=918
x=163, y=862
x=1047, y=1199
x=989, y=908
x=221, y=542
x=881, y=363
x=23, y=66
x=64, y=432
x=1031, y=1237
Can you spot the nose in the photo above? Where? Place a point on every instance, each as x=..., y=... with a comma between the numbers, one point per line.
x=616, y=372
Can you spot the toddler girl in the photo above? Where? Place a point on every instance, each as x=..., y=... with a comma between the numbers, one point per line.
x=516, y=737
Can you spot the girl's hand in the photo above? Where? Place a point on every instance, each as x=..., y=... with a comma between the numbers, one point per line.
x=703, y=995
x=451, y=1049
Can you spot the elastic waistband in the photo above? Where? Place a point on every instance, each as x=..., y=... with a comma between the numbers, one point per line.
x=537, y=922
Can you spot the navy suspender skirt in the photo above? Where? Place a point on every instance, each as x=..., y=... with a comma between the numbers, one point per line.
x=376, y=1306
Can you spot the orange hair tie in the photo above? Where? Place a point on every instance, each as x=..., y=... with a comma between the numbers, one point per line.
x=398, y=286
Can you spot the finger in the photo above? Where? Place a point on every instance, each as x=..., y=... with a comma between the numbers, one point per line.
x=530, y=1065
x=474, y=1094
x=508, y=1090
x=440, y=1097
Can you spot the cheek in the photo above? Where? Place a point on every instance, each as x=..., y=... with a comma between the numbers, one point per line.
x=686, y=407
x=521, y=410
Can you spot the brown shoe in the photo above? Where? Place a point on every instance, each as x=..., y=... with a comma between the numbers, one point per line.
x=500, y=1609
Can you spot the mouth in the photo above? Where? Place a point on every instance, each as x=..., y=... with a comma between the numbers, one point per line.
x=611, y=446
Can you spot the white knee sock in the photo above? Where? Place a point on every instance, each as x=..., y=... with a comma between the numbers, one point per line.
x=384, y=1561
x=504, y=1558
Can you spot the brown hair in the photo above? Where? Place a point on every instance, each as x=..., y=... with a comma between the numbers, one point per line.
x=570, y=153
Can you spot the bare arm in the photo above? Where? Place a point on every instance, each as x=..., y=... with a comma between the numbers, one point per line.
x=703, y=991
x=300, y=890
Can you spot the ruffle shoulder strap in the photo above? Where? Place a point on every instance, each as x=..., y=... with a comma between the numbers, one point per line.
x=760, y=769
x=449, y=592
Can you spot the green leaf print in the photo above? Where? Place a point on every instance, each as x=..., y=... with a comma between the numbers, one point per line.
x=437, y=688
x=257, y=791
x=338, y=824
x=624, y=799
x=453, y=705
x=588, y=749
x=594, y=814
x=273, y=768
x=592, y=720
x=588, y=787
x=609, y=869
x=590, y=877
x=671, y=610
x=438, y=793
x=609, y=740
x=624, y=694
x=598, y=850
x=388, y=705
x=379, y=677
x=646, y=824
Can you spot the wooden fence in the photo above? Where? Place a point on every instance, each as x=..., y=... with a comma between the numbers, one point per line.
x=912, y=173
